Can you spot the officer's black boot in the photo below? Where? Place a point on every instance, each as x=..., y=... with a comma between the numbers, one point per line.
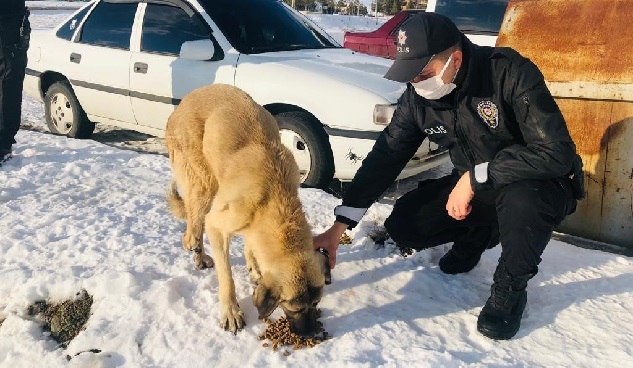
x=500, y=318
x=451, y=263
x=466, y=251
x=5, y=155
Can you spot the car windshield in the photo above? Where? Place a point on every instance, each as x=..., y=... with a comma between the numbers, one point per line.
x=474, y=16
x=256, y=26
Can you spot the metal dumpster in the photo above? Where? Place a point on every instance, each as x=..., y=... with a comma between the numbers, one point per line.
x=585, y=50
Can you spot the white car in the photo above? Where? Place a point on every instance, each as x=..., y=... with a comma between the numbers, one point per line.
x=128, y=63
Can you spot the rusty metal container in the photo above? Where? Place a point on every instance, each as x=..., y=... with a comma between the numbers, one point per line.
x=585, y=50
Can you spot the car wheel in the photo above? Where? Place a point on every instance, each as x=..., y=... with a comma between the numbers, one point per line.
x=309, y=143
x=64, y=114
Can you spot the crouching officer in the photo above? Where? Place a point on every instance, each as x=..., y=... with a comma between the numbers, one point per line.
x=513, y=156
x=14, y=42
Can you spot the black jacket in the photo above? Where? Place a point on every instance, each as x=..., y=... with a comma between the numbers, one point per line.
x=14, y=28
x=501, y=113
x=11, y=8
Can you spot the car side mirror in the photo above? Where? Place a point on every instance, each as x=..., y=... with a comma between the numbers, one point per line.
x=197, y=50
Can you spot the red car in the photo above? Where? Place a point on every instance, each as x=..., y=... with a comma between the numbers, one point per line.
x=480, y=21
x=381, y=42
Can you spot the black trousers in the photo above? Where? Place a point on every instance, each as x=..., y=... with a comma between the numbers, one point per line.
x=14, y=37
x=521, y=216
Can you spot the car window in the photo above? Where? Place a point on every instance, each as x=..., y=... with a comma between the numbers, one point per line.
x=474, y=16
x=67, y=30
x=110, y=25
x=166, y=28
x=256, y=26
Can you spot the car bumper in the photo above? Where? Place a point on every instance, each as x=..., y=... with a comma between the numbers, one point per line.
x=421, y=164
x=350, y=152
x=32, y=86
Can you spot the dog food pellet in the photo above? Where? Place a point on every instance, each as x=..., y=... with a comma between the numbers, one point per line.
x=279, y=334
x=406, y=252
x=345, y=239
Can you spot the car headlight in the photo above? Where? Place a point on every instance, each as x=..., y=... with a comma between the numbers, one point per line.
x=383, y=114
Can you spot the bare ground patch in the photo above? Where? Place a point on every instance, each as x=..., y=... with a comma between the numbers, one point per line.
x=63, y=320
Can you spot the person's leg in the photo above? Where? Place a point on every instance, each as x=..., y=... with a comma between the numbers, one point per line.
x=467, y=249
x=11, y=94
x=419, y=220
x=528, y=212
x=404, y=225
x=5, y=141
x=13, y=60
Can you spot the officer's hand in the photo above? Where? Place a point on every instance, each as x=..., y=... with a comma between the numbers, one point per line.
x=458, y=205
x=329, y=240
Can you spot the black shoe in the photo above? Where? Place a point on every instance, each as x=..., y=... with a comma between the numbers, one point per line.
x=468, y=248
x=452, y=264
x=500, y=318
x=5, y=156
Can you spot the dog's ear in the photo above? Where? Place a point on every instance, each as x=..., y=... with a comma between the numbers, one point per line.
x=265, y=299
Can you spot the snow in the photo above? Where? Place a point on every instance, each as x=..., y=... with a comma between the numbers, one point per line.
x=78, y=214
x=53, y=4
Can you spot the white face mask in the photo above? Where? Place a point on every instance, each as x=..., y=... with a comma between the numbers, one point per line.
x=434, y=88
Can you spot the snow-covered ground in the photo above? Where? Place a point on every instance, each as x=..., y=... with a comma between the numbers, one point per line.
x=49, y=4
x=78, y=214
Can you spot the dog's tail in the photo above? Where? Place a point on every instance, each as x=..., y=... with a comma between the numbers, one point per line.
x=174, y=201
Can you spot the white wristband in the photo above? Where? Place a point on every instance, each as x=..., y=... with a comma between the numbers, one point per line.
x=481, y=172
x=351, y=213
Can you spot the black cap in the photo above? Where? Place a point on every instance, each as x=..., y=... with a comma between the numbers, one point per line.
x=419, y=38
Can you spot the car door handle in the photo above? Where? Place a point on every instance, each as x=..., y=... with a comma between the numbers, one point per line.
x=75, y=58
x=140, y=68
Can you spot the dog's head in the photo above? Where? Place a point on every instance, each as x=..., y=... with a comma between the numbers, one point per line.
x=297, y=288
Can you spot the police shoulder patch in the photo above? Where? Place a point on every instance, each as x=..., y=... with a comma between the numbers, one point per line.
x=489, y=112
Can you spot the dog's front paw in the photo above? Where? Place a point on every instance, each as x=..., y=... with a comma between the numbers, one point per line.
x=232, y=318
x=190, y=242
x=202, y=261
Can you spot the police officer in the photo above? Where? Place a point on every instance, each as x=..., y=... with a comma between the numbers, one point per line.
x=512, y=156
x=14, y=42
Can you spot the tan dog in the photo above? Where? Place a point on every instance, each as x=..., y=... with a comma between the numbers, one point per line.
x=235, y=176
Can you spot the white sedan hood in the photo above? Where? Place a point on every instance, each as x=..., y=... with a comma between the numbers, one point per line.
x=340, y=64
